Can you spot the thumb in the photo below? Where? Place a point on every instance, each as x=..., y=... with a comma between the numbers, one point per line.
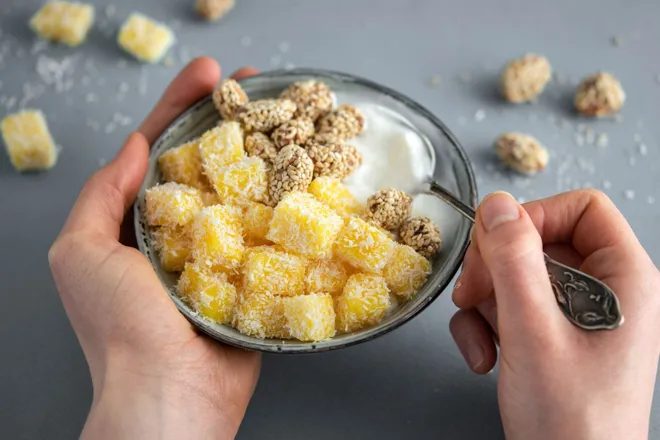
x=109, y=192
x=512, y=251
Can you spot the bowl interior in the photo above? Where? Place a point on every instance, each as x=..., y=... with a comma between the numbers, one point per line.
x=452, y=170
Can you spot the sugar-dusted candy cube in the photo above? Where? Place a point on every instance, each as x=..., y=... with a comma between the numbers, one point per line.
x=326, y=276
x=336, y=195
x=217, y=235
x=304, y=225
x=279, y=273
x=64, y=22
x=145, y=39
x=310, y=317
x=183, y=164
x=363, y=303
x=221, y=146
x=209, y=292
x=246, y=180
x=405, y=271
x=260, y=315
x=173, y=245
x=256, y=222
x=172, y=204
x=28, y=141
x=363, y=246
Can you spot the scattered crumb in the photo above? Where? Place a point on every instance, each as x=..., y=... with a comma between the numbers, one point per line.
x=168, y=61
x=629, y=194
x=102, y=162
x=275, y=61
x=289, y=66
x=283, y=47
x=602, y=140
x=643, y=150
x=650, y=200
x=480, y=115
x=616, y=41
x=435, y=80
x=607, y=184
x=632, y=161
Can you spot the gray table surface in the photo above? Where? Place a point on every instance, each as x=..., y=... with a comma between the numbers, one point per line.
x=409, y=384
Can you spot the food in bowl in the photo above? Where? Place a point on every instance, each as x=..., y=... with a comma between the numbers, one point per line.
x=278, y=222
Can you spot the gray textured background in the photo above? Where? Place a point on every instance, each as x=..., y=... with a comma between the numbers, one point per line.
x=412, y=383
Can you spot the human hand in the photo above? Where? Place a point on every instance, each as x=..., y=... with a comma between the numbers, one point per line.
x=153, y=375
x=557, y=381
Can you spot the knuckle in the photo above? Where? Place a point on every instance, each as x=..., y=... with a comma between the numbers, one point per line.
x=595, y=195
x=514, y=248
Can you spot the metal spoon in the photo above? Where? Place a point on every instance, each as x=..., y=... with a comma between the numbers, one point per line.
x=587, y=302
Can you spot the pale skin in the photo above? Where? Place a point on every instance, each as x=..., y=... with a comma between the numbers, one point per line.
x=155, y=377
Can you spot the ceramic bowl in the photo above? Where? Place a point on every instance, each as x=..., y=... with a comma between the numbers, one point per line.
x=452, y=169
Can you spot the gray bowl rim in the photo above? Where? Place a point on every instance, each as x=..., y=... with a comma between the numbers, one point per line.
x=349, y=78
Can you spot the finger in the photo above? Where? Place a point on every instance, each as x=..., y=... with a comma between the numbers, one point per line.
x=474, y=284
x=244, y=72
x=488, y=310
x=512, y=251
x=587, y=219
x=197, y=80
x=474, y=339
x=565, y=254
x=110, y=191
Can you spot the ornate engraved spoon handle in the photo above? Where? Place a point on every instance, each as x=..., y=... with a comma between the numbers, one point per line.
x=587, y=302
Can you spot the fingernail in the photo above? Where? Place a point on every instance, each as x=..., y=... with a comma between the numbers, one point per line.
x=474, y=356
x=498, y=208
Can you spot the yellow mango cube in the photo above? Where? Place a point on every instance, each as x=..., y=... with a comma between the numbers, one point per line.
x=183, y=164
x=336, y=195
x=64, y=22
x=246, y=180
x=326, y=276
x=217, y=235
x=28, y=141
x=173, y=246
x=363, y=246
x=260, y=315
x=145, y=39
x=310, y=317
x=172, y=204
x=363, y=303
x=405, y=271
x=210, y=293
x=303, y=225
x=256, y=222
x=221, y=146
x=275, y=272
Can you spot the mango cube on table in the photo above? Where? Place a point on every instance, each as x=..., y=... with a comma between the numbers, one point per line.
x=173, y=245
x=28, y=141
x=363, y=303
x=336, y=195
x=145, y=39
x=310, y=317
x=405, y=271
x=260, y=315
x=256, y=222
x=217, y=235
x=64, y=22
x=221, y=146
x=326, y=276
x=275, y=272
x=303, y=225
x=183, y=164
x=209, y=292
x=363, y=246
x=172, y=204
x=246, y=180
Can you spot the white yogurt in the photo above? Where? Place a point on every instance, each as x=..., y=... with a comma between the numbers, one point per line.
x=394, y=156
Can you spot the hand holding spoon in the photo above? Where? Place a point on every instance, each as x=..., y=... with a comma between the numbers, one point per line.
x=587, y=302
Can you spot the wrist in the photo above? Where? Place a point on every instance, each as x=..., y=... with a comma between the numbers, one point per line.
x=131, y=403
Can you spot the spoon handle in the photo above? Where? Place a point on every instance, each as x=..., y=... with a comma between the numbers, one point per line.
x=587, y=302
